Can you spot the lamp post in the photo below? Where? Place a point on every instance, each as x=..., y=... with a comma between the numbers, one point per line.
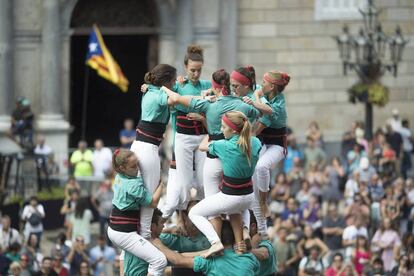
x=366, y=54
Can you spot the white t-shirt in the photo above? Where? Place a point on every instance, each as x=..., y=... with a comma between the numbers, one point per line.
x=44, y=150
x=351, y=188
x=27, y=212
x=307, y=263
x=101, y=161
x=406, y=134
x=351, y=233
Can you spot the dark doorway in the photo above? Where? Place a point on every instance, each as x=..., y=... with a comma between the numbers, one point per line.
x=107, y=105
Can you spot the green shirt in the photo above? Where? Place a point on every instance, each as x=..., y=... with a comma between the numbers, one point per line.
x=278, y=117
x=130, y=193
x=234, y=161
x=134, y=266
x=154, y=106
x=268, y=266
x=82, y=162
x=214, y=111
x=190, y=89
x=228, y=264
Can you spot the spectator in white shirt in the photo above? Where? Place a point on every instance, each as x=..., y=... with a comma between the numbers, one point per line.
x=350, y=234
x=407, y=137
x=102, y=159
x=33, y=214
x=8, y=235
x=395, y=120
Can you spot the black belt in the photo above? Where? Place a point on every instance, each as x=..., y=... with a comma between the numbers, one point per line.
x=189, y=127
x=124, y=221
x=236, y=186
x=150, y=132
x=214, y=137
x=274, y=136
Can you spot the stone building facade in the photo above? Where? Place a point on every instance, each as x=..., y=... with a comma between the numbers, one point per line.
x=290, y=35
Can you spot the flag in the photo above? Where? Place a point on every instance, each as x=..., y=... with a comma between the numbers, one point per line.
x=100, y=59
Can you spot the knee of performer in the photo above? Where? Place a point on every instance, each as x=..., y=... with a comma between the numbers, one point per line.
x=160, y=263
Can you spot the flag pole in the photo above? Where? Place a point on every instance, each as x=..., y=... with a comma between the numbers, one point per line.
x=85, y=102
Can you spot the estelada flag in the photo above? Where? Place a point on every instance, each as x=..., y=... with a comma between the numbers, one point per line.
x=100, y=59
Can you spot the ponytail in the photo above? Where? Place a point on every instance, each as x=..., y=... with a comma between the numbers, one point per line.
x=239, y=123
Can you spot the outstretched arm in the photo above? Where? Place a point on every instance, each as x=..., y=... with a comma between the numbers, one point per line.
x=156, y=196
x=173, y=257
x=175, y=98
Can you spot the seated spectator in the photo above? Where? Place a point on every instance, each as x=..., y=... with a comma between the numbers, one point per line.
x=81, y=160
x=57, y=265
x=46, y=268
x=15, y=269
x=127, y=134
x=13, y=253
x=279, y=194
x=335, y=174
x=101, y=160
x=77, y=256
x=101, y=256
x=361, y=254
x=384, y=242
x=8, y=235
x=313, y=153
x=312, y=264
x=377, y=268
x=22, y=119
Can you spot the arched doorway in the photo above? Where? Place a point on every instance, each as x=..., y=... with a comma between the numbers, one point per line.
x=130, y=31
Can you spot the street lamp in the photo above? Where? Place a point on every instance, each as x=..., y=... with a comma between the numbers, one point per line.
x=365, y=53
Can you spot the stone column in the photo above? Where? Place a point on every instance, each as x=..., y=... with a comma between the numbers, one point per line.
x=51, y=122
x=167, y=32
x=228, y=34
x=184, y=34
x=6, y=63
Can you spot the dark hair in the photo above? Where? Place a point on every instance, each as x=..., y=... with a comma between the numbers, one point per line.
x=194, y=53
x=405, y=123
x=227, y=235
x=156, y=216
x=80, y=207
x=46, y=259
x=378, y=260
x=222, y=77
x=62, y=237
x=160, y=75
x=337, y=255
x=34, y=198
x=249, y=72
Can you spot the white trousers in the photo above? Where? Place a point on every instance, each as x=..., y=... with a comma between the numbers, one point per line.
x=212, y=175
x=216, y=205
x=141, y=248
x=187, y=157
x=150, y=169
x=174, y=200
x=269, y=156
x=257, y=211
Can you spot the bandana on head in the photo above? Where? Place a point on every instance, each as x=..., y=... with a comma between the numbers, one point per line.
x=277, y=78
x=231, y=125
x=240, y=78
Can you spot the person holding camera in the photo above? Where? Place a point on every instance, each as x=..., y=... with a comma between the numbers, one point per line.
x=33, y=214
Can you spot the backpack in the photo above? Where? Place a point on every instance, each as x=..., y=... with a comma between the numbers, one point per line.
x=35, y=219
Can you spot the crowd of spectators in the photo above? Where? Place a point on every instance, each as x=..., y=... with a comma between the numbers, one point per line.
x=350, y=214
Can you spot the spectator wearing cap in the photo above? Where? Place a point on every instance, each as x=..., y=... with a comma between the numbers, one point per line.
x=366, y=171
x=395, y=120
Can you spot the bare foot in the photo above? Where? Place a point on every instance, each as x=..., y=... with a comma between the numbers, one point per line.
x=265, y=209
x=215, y=248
